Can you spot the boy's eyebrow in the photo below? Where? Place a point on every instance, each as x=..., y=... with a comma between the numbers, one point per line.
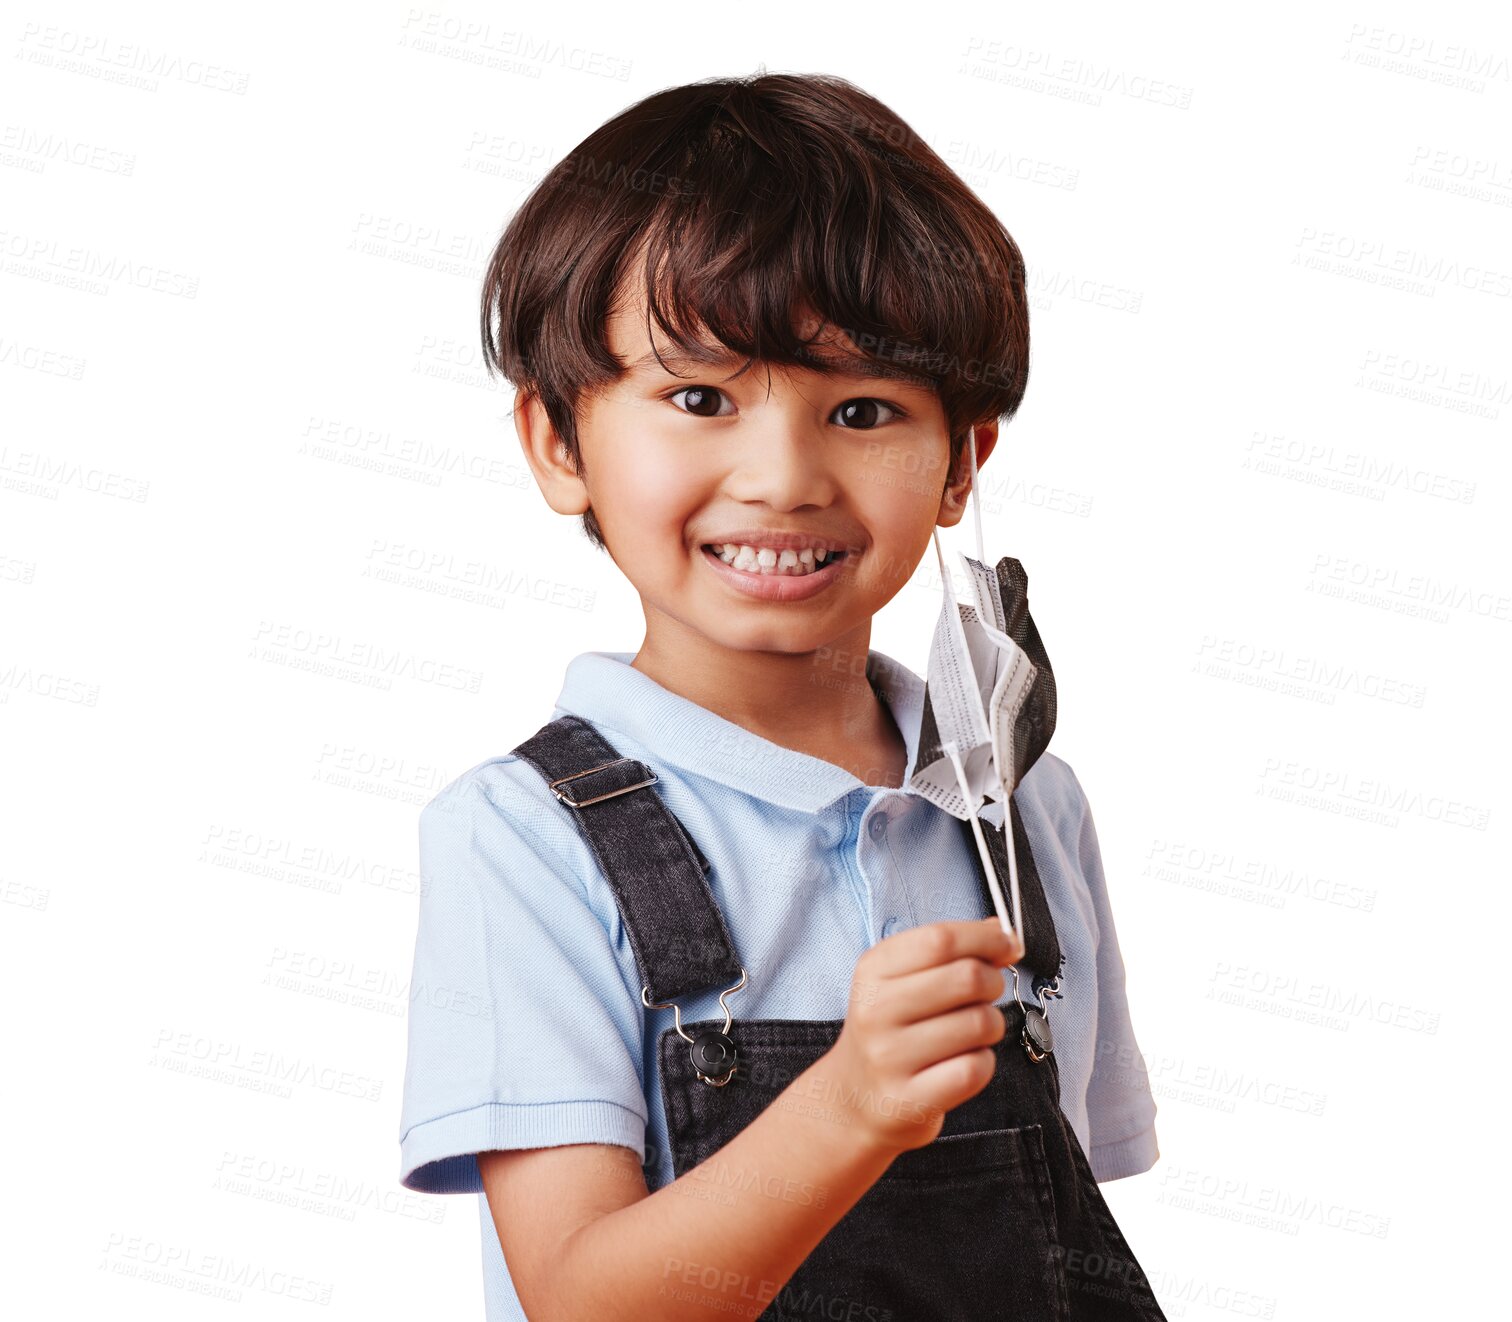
x=713, y=358
x=838, y=364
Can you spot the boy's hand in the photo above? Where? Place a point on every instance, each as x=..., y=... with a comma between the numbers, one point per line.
x=918, y=1039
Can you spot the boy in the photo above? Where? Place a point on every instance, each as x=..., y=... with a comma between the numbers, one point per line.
x=757, y=328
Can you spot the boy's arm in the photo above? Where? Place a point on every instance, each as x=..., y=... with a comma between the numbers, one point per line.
x=583, y=1239
x=1120, y=1106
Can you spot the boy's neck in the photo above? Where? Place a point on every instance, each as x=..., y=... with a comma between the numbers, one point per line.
x=809, y=702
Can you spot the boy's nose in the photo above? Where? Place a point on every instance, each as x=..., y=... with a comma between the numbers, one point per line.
x=782, y=463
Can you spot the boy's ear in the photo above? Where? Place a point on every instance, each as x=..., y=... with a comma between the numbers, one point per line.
x=957, y=494
x=564, y=490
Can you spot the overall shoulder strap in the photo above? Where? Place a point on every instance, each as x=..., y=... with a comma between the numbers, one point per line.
x=652, y=864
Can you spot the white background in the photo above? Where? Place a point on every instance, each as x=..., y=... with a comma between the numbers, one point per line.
x=251, y=465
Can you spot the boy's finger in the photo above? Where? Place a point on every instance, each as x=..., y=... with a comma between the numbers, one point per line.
x=932, y=944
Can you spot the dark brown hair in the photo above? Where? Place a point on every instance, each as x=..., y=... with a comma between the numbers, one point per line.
x=754, y=198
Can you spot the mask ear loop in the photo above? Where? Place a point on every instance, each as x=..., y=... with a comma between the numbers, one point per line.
x=976, y=508
x=976, y=503
x=1013, y=877
x=993, y=885
x=1013, y=880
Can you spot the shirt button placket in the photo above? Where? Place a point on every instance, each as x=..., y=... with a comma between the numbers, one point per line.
x=877, y=829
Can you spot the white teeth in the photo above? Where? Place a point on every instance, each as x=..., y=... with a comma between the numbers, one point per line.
x=766, y=560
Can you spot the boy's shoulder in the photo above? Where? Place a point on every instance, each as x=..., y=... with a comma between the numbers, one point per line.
x=1054, y=783
x=504, y=805
x=511, y=782
x=498, y=825
x=505, y=778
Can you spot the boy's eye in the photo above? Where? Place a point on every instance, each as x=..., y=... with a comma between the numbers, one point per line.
x=862, y=413
x=702, y=401
x=858, y=414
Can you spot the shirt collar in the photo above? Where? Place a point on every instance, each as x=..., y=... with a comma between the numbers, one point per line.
x=604, y=688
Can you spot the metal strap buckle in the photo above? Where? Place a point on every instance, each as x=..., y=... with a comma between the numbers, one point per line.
x=583, y=803
x=1036, y=1035
x=714, y=1054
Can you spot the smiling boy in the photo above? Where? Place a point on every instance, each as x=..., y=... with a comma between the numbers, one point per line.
x=758, y=382
x=781, y=460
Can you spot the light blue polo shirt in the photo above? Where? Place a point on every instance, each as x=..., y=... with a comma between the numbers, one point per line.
x=526, y=1027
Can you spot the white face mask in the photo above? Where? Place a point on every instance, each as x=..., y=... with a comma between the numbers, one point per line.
x=989, y=709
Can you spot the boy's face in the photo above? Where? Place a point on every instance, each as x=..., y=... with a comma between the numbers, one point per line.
x=675, y=463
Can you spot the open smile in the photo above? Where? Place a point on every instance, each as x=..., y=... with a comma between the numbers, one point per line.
x=777, y=582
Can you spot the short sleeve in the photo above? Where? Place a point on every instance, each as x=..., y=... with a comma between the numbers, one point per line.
x=1120, y=1106
x=523, y=1032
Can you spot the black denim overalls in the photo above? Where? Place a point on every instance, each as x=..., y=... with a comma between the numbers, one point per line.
x=999, y=1218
